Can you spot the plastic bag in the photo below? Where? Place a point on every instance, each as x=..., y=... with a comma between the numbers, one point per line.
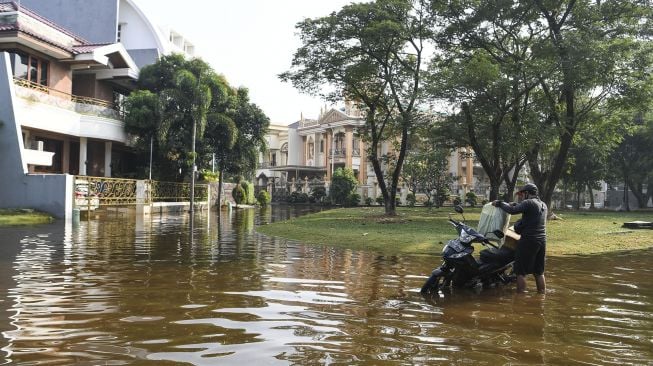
x=493, y=218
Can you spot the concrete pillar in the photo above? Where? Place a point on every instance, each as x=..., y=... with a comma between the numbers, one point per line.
x=143, y=204
x=83, y=154
x=327, y=154
x=470, y=172
x=362, y=170
x=349, y=146
x=107, y=158
x=65, y=164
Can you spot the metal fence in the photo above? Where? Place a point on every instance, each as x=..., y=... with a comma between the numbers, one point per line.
x=93, y=192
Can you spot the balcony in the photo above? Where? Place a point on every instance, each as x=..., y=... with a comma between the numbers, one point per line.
x=82, y=105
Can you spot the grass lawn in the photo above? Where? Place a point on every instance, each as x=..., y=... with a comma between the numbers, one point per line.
x=423, y=231
x=23, y=217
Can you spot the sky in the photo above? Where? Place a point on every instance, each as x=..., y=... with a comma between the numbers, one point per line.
x=250, y=42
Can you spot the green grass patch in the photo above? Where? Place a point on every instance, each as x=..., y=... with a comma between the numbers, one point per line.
x=20, y=217
x=424, y=231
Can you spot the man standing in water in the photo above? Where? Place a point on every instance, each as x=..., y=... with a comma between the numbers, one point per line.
x=531, y=248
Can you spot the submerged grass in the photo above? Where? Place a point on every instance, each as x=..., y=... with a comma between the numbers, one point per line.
x=21, y=217
x=423, y=231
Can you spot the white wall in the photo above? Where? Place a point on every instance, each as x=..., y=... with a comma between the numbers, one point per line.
x=137, y=31
x=48, y=193
x=295, y=147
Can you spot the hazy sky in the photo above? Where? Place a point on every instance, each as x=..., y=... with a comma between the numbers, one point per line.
x=250, y=42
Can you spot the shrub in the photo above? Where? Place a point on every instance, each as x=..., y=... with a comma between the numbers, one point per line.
x=411, y=199
x=263, y=198
x=379, y=200
x=369, y=201
x=238, y=193
x=343, y=184
x=471, y=199
x=353, y=200
x=298, y=197
x=208, y=175
x=457, y=200
x=250, y=195
x=397, y=201
x=318, y=194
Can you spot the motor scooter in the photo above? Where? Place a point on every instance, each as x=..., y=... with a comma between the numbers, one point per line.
x=460, y=269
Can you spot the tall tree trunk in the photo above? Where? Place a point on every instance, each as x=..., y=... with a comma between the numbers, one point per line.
x=626, y=198
x=591, y=191
x=638, y=192
x=578, y=192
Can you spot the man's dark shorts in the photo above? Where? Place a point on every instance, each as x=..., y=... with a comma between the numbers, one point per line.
x=529, y=257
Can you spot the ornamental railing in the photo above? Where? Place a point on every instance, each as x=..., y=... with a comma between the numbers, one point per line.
x=176, y=192
x=83, y=105
x=92, y=192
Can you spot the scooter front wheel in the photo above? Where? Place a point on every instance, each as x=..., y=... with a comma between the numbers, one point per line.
x=433, y=283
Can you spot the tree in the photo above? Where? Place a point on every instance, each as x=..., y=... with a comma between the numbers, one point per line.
x=632, y=164
x=374, y=55
x=343, y=184
x=485, y=72
x=593, y=58
x=175, y=97
x=425, y=170
x=251, y=125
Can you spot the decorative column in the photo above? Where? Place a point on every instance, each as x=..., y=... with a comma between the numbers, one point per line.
x=83, y=152
x=107, y=158
x=327, y=154
x=362, y=170
x=470, y=172
x=349, y=143
x=65, y=160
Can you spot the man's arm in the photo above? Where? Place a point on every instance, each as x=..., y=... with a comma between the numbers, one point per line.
x=509, y=208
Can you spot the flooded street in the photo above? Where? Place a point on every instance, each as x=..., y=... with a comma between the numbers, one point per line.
x=117, y=291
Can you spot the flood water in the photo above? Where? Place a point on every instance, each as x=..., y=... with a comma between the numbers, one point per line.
x=119, y=291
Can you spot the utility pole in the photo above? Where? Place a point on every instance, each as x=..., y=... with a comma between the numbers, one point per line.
x=194, y=169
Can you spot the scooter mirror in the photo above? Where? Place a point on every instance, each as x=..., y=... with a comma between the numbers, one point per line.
x=498, y=233
x=459, y=209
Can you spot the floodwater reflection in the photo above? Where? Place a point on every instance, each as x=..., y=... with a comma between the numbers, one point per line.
x=125, y=291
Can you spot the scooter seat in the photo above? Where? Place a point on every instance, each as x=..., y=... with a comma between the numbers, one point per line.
x=496, y=256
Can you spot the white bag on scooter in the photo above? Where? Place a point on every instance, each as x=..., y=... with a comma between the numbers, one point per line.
x=493, y=218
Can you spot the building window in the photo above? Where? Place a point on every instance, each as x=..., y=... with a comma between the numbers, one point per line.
x=321, y=146
x=119, y=32
x=29, y=68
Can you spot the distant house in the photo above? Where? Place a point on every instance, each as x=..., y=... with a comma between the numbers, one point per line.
x=311, y=150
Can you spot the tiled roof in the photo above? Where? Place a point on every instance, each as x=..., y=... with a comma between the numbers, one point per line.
x=86, y=48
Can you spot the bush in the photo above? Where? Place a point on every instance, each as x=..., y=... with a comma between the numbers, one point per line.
x=353, y=200
x=263, y=198
x=298, y=197
x=317, y=194
x=250, y=195
x=379, y=200
x=411, y=199
x=208, y=175
x=343, y=184
x=238, y=193
x=369, y=201
x=457, y=200
x=397, y=201
x=471, y=199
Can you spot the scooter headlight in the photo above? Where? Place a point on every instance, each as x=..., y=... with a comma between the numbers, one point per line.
x=458, y=255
